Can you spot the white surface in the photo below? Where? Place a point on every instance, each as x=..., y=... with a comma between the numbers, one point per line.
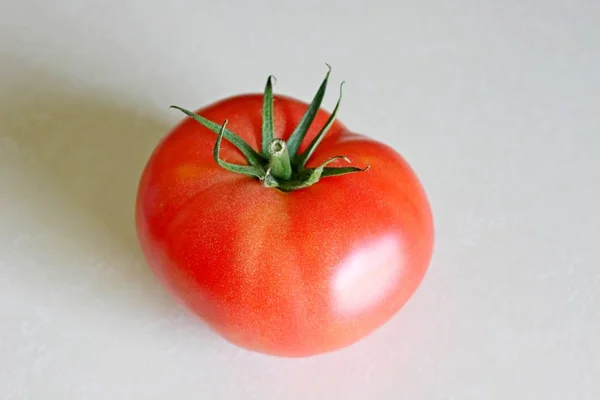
x=494, y=103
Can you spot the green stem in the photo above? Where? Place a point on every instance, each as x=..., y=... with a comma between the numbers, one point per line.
x=279, y=160
x=301, y=130
x=267, y=126
x=303, y=158
x=278, y=164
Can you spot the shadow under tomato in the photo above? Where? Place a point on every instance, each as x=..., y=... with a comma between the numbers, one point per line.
x=72, y=173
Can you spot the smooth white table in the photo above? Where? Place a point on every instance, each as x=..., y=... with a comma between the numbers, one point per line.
x=495, y=104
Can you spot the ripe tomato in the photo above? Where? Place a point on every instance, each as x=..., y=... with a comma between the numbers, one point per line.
x=270, y=236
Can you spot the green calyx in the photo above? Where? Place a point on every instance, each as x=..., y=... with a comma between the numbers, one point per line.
x=278, y=164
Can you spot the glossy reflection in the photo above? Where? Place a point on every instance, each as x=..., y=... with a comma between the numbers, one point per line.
x=368, y=274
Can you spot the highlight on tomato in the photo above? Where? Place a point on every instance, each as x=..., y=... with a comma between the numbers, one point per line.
x=285, y=231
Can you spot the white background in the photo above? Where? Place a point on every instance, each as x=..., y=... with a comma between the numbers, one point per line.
x=494, y=103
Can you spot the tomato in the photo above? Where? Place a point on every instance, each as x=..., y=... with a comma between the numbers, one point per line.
x=265, y=231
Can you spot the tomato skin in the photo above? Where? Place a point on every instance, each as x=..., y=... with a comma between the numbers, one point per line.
x=288, y=274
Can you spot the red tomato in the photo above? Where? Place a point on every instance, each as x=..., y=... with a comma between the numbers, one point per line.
x=273, y=259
